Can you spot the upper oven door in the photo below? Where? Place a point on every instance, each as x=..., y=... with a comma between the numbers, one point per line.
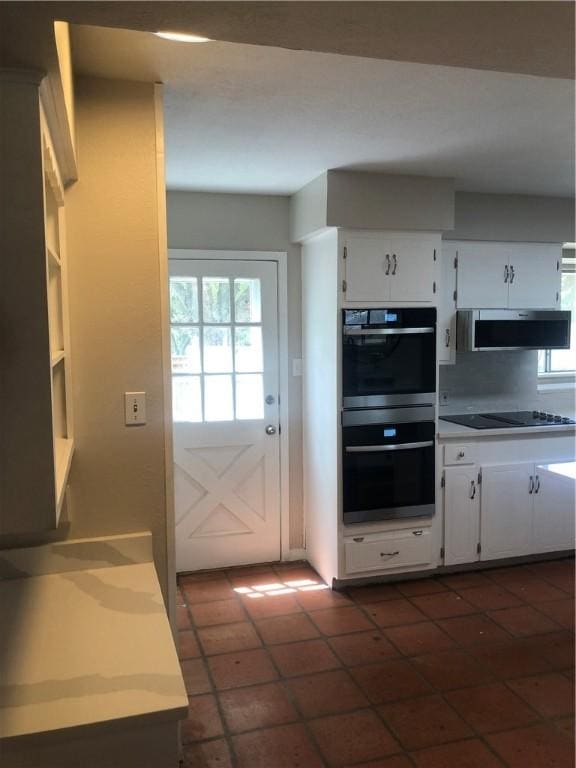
x=388, y=361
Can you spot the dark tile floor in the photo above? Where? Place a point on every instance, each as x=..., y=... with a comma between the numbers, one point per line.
x=466, y=671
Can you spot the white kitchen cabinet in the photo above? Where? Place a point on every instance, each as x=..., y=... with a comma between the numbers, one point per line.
x=534, y=276
x=461, y=515
x=508, y=275
x=554, y=510
x=446, y=327
x=388, y=550
x=390, y=268
x=506, y=510
x=481, y=276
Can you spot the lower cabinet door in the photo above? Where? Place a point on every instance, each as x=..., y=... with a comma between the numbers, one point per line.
x=554, y=506
x=394, y=549
x=461, y=515
x=506, y=510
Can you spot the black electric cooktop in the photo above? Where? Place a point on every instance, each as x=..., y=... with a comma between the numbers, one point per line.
x=508, y=419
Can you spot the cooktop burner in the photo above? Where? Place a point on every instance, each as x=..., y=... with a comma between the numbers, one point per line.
x=508, y=419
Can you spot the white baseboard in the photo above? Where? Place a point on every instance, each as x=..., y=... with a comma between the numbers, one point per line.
x=295, y=554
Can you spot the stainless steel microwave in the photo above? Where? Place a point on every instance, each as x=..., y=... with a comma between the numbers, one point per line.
x=480, y=330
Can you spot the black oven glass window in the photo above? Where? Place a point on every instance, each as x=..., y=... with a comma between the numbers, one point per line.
x=389, y=364
x=381, y=481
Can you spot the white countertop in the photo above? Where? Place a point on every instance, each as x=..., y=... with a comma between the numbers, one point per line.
x=447, y=430
x=86, y=647
x=565, y=468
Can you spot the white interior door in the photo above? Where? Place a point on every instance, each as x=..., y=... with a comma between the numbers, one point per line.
x=225, y=390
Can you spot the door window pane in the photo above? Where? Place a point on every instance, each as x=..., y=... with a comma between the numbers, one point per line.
x=249, y=396
x=186, y=398
x=185, y=349
x=248, y=349
x=216, y=299
x=218, y=405
x=247, y=300
x=183, y=300
x=217, y=349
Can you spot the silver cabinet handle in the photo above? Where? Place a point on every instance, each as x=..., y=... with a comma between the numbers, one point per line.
x=417, y=533
x=270, y=429
x=387, y=271
x=395, y=264
x=472, y=493
x=351, y=331
x=389, y=554
x=531, y=486
x=447, y=337
x=381, y=448
x=512, y=273
x=537, y=484
x=506, y=273
x=358, y=539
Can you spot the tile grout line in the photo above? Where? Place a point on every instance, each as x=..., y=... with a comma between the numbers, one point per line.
x=346, y=668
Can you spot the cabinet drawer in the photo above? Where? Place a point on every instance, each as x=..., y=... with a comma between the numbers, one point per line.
x=398, y=549
x=459, y=454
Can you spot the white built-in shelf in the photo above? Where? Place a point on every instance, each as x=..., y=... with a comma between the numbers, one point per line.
x=57, y=356
x=63, y=450
x=53, y=258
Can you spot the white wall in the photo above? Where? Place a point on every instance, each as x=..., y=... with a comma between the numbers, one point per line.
x=251, y=223
x=117, y=482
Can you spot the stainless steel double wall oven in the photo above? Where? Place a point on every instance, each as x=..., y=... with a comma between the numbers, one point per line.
x=388, y=413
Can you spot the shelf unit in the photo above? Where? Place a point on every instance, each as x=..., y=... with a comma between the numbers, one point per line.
x=58, y=320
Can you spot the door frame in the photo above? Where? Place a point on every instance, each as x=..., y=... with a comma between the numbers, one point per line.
x=281, y=260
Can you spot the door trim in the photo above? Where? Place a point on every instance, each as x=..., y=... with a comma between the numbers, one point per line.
x=281, y=259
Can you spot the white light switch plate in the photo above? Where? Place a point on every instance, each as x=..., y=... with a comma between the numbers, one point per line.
x=135, y=408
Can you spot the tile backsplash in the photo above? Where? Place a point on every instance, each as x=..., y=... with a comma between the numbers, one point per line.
x=498, y=381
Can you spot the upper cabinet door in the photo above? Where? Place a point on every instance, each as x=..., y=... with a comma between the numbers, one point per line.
x=483, y=275
x=447, y=305
x=391, y=267
x=367, y=269
x=413, y=270
x=534, y=281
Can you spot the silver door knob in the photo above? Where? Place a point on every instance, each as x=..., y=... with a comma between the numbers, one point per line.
x=270, y=429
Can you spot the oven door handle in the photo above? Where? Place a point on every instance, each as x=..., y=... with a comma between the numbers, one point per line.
x=385, y=331
x=382, y=448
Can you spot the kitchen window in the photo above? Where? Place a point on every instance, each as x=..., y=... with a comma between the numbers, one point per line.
x=559, y=365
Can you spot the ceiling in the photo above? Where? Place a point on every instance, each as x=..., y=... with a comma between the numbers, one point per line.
x=525, y=37
x=251, y=119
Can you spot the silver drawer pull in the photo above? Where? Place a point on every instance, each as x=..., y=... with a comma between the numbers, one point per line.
x=417, y=533
x=358, y=539
x=389, y=554
x=380, y=448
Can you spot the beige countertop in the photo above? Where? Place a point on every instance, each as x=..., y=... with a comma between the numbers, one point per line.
x=447, y=430
x=86, y=647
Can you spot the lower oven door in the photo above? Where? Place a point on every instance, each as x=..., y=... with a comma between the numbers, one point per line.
x=388, y=471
